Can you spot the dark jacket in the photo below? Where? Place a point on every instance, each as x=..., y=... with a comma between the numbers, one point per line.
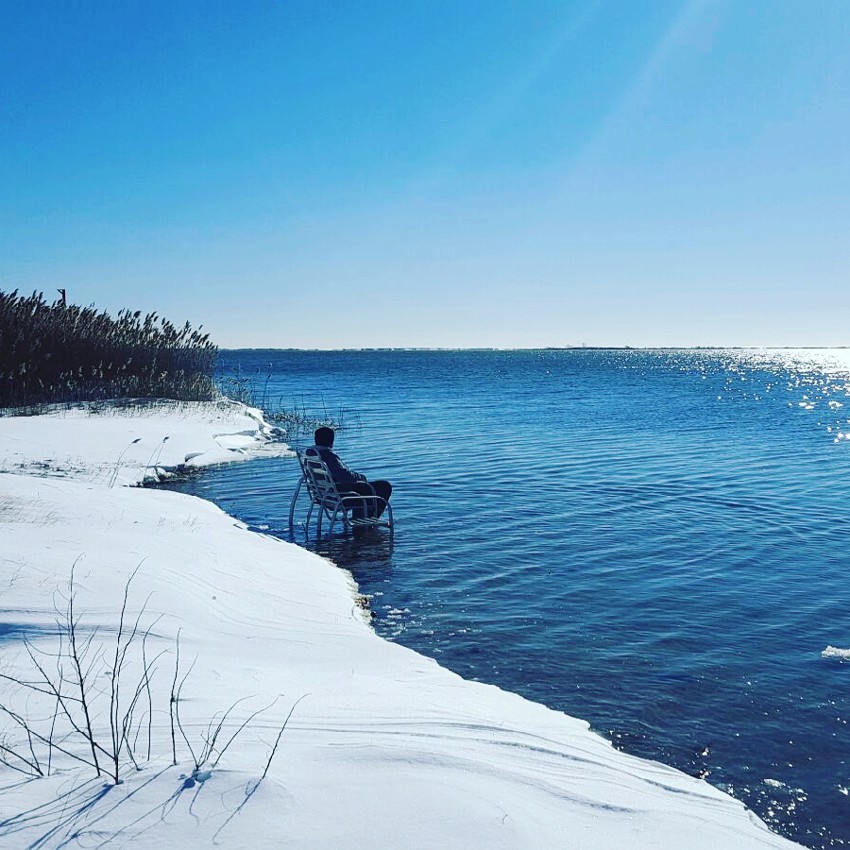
x=340, y=473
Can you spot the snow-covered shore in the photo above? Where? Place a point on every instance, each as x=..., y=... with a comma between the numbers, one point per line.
x=383, y=746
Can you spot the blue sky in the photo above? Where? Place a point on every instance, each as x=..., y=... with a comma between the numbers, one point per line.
x=335, y=174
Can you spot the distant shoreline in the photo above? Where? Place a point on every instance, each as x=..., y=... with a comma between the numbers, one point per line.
x=562, y=348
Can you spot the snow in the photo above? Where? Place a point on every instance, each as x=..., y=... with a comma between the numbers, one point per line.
x=381, y=747
x=836, y=652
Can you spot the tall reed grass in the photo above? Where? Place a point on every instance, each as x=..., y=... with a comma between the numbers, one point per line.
x=296, y=420
x=64, y=353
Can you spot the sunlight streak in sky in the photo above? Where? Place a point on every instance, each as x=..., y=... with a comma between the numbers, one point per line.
x=483, y=124
x=692, y=28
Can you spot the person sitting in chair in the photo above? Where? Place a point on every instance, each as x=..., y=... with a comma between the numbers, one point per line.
x=347, y=479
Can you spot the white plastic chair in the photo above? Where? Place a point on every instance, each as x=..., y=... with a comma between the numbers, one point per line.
x=354, y=509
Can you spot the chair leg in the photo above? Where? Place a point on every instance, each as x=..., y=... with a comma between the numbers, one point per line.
x=333, y=521
x=292, y=505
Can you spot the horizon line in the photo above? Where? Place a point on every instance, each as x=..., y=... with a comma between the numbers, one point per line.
x=547, y=348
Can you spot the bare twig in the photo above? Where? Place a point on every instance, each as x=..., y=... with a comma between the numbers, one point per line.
x=176, y=703
x=22, y=722
x=81, y=680
x=172, y=702
x=233, y=737
x=280, y=734
x=7, y=753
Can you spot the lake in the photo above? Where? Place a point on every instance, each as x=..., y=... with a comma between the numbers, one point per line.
x=653, y=541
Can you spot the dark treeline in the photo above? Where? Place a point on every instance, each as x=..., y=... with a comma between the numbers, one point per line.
x=65, y=353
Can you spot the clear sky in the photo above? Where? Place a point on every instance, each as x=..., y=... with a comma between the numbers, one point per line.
x=427, y=173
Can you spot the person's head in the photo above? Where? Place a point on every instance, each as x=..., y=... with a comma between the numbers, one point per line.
x=324, y=437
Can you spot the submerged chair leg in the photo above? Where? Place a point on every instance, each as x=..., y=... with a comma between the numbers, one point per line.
x=292, y=506
x=333, y=522
x=307, y=522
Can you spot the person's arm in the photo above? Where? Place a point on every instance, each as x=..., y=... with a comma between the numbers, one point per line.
x=340, y=473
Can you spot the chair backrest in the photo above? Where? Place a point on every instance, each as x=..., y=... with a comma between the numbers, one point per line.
x=317, y=477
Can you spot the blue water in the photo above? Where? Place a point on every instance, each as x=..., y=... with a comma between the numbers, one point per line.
x=656, y=542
